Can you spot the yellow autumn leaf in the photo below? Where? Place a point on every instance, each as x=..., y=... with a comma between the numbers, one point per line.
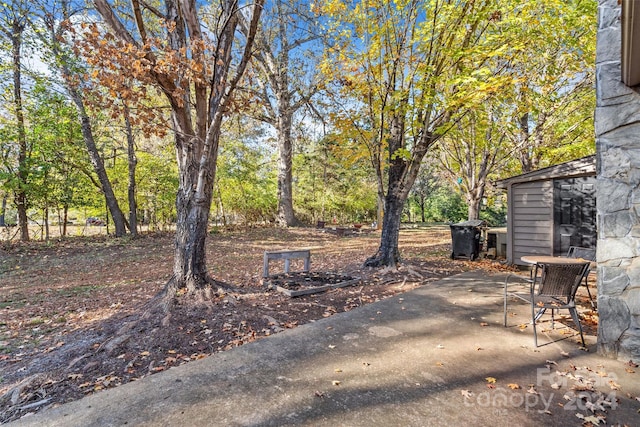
x=513, y=386
x=491, y=380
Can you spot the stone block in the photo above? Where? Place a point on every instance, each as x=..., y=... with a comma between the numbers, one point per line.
x=609, y=88
x=611, y=117
x=608, y=14
x=624, y=137
x=617, y=224
x=632, y=298
x=612, y=248
x=608, y=46
x=633, y=271
x=613, y=195
x=630, y=345
x=612, y=281
x=614, y=318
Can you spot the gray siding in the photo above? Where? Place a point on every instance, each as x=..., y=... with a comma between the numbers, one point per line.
x=531, y=219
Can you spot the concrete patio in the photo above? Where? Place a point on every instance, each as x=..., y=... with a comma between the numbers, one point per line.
x=437, y=355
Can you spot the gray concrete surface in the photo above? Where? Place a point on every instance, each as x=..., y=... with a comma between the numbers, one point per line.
x=421, y=358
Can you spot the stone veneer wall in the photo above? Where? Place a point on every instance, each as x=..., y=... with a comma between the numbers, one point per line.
x=618, y=194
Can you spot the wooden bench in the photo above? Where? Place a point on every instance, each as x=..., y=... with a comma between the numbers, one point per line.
x=287, y=256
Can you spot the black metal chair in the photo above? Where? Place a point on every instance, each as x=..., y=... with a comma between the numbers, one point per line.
x=553, y=287
x=588, y=254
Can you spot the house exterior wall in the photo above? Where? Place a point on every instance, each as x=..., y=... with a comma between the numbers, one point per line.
x=617, y=120
x=530, y=220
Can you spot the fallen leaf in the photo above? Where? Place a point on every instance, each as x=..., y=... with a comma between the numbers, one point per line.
x=337, y=370
x=532, y=390
x=484, y=324
x=439, y=364
x=555, y=386
x=565, y=354
x=614, y=385
x=593, y=419
x=491, y=380
x=332, y=346
x=466, y=393
x=513, y=386
x=335, y=382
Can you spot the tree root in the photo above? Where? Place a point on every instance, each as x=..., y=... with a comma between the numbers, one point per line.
x=161, y=305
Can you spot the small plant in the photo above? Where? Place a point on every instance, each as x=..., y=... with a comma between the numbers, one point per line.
x=36, y=321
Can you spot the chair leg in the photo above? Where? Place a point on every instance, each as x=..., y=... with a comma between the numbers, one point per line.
x=505, y=300
x=576, y=320
x=586, y=285
x=534, y=318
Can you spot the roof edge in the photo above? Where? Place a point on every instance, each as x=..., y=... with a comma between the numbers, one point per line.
x=584, y=166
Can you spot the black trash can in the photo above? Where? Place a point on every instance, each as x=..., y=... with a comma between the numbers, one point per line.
x=465, y=239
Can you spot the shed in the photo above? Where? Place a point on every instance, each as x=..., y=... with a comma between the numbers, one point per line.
x=550, y=209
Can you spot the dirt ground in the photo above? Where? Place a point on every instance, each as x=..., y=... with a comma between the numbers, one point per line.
x=62, y=304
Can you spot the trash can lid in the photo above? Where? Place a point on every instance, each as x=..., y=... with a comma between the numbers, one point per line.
x=472, y=223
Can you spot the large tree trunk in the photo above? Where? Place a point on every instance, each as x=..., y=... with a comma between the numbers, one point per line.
x=17, y=29
x=286, y=214
x=193, y=204
x=132, y=162
x=190, y=263
x=87, y=133
x=388, y=253
x=98, y=166
x=401, y=179
x=3, y=211
x=474, y=200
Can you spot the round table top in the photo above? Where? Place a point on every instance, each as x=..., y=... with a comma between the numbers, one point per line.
x=546, y=259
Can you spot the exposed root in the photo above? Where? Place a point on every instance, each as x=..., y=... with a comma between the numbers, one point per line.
x=163, y=303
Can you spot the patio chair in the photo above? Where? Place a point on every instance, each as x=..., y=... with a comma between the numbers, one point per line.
x=553, y=287
x=590, y=255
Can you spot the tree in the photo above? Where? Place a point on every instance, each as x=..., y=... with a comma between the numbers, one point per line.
x=418, y=67
x=473, y=150
x=12, y=27
x=554, y=100
x=284, y=77
x=426, y=183
x=195, y=68
x=57, y=39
